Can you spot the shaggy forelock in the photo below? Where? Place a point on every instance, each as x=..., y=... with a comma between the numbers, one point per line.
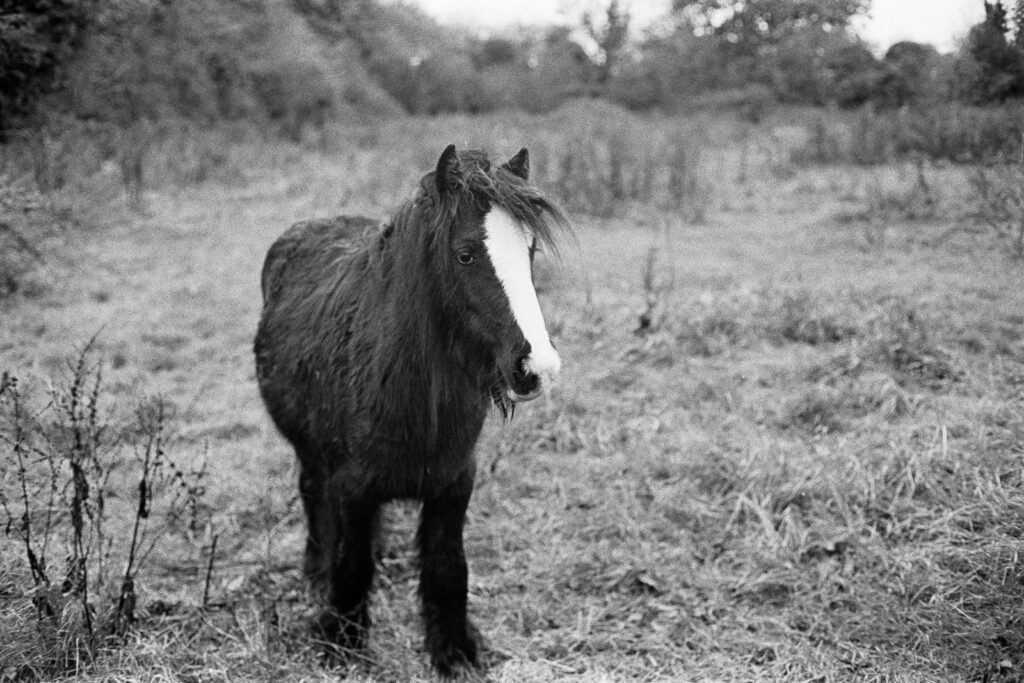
x=494, y=186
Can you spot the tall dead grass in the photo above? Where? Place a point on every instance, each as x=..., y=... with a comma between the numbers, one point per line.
x=85, y=501
x=998, y=204
x=953, y=133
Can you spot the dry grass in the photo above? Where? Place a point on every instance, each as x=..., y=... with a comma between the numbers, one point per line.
x=805, y=467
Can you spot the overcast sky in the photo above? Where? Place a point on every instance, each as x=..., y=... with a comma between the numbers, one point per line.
x=939, y=22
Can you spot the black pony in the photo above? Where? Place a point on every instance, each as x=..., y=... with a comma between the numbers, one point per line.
x=379, y=350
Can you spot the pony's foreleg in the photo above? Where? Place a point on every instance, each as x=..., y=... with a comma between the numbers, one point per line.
x=450, y=638
x=351, y=573
x=315, y=563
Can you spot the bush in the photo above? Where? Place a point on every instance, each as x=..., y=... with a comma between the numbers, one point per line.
x=952, y=132
x=960, y=133
x=609, y=162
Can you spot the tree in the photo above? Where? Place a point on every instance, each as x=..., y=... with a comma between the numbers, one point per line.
x=36, y=38
x=495, y=51
x=338, y=20
x=856, y=74
x=999, y=71
x=995, y=17
x=752, y=25
x=1018, y=25
x=610, y=35
x=910, y=73
x=668, y=70
x=792, y=46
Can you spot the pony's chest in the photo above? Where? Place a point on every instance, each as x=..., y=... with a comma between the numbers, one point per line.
x=415, y=464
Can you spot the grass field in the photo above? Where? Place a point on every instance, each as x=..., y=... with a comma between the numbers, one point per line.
x=805, y=465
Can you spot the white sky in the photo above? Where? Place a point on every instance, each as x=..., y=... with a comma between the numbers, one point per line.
x=940, y=22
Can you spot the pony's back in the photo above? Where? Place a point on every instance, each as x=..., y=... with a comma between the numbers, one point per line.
x=299, y=256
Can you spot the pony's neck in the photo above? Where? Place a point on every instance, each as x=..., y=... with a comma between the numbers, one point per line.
x=424, y=342
x=420, y=358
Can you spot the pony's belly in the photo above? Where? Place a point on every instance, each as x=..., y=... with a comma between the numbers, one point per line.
x=400, y=473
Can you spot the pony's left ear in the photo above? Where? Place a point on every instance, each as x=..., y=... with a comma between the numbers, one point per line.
x=519, y=165
x=448, y=172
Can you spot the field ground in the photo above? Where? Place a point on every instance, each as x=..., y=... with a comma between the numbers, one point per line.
x=807, y=467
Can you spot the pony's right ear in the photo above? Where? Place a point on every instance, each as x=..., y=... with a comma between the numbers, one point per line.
x=519, y=165
x=448, y=171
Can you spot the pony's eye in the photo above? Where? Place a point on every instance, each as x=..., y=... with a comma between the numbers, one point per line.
x=465, y=258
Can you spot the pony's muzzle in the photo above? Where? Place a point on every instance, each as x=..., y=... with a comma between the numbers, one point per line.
x=532, y=378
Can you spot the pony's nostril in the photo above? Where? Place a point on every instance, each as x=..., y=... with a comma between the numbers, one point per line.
x=529, y=383
x=523, y=380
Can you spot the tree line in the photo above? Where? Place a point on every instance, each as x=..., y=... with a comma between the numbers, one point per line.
x=299, y=62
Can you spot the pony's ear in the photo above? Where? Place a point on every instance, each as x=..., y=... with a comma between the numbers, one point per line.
x=448, y=170
x=519, y=165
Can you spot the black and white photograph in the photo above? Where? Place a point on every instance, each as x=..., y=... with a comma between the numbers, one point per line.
x=595, y=341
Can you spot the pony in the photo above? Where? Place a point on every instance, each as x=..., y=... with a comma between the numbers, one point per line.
x=379, y=351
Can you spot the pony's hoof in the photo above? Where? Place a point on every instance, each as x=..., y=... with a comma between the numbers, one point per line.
x=453, y=656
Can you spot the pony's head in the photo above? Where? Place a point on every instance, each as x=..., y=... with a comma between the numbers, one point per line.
x=488, y=225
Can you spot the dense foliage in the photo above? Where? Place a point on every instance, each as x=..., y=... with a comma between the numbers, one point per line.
x=296, y=64
x=36, y=38
x=125, y=61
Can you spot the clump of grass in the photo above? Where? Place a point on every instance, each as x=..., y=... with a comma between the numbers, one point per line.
x=897, y=342
x=914, y=200
x=709, y=333
x=800, y=319
x=880, y=393
x=836, y=404
x=826, y=143
x=131, y=160
x=741, y=320
x=51, y=153
x=580, y=179
x=998, y=204
x=657, y=286
x=686, y=191
x=890, y=199
x=186, y=155
x=900, y=338
x=69, y=472
x=28, y=222
x=818, y=410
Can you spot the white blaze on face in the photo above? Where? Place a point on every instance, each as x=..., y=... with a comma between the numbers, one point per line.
x=508, y=246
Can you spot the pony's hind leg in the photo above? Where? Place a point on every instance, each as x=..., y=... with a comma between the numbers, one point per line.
x=450, y=638
x=351, y=573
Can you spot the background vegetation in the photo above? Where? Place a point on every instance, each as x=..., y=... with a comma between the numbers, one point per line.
x=298, y=62
x=787, y=444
